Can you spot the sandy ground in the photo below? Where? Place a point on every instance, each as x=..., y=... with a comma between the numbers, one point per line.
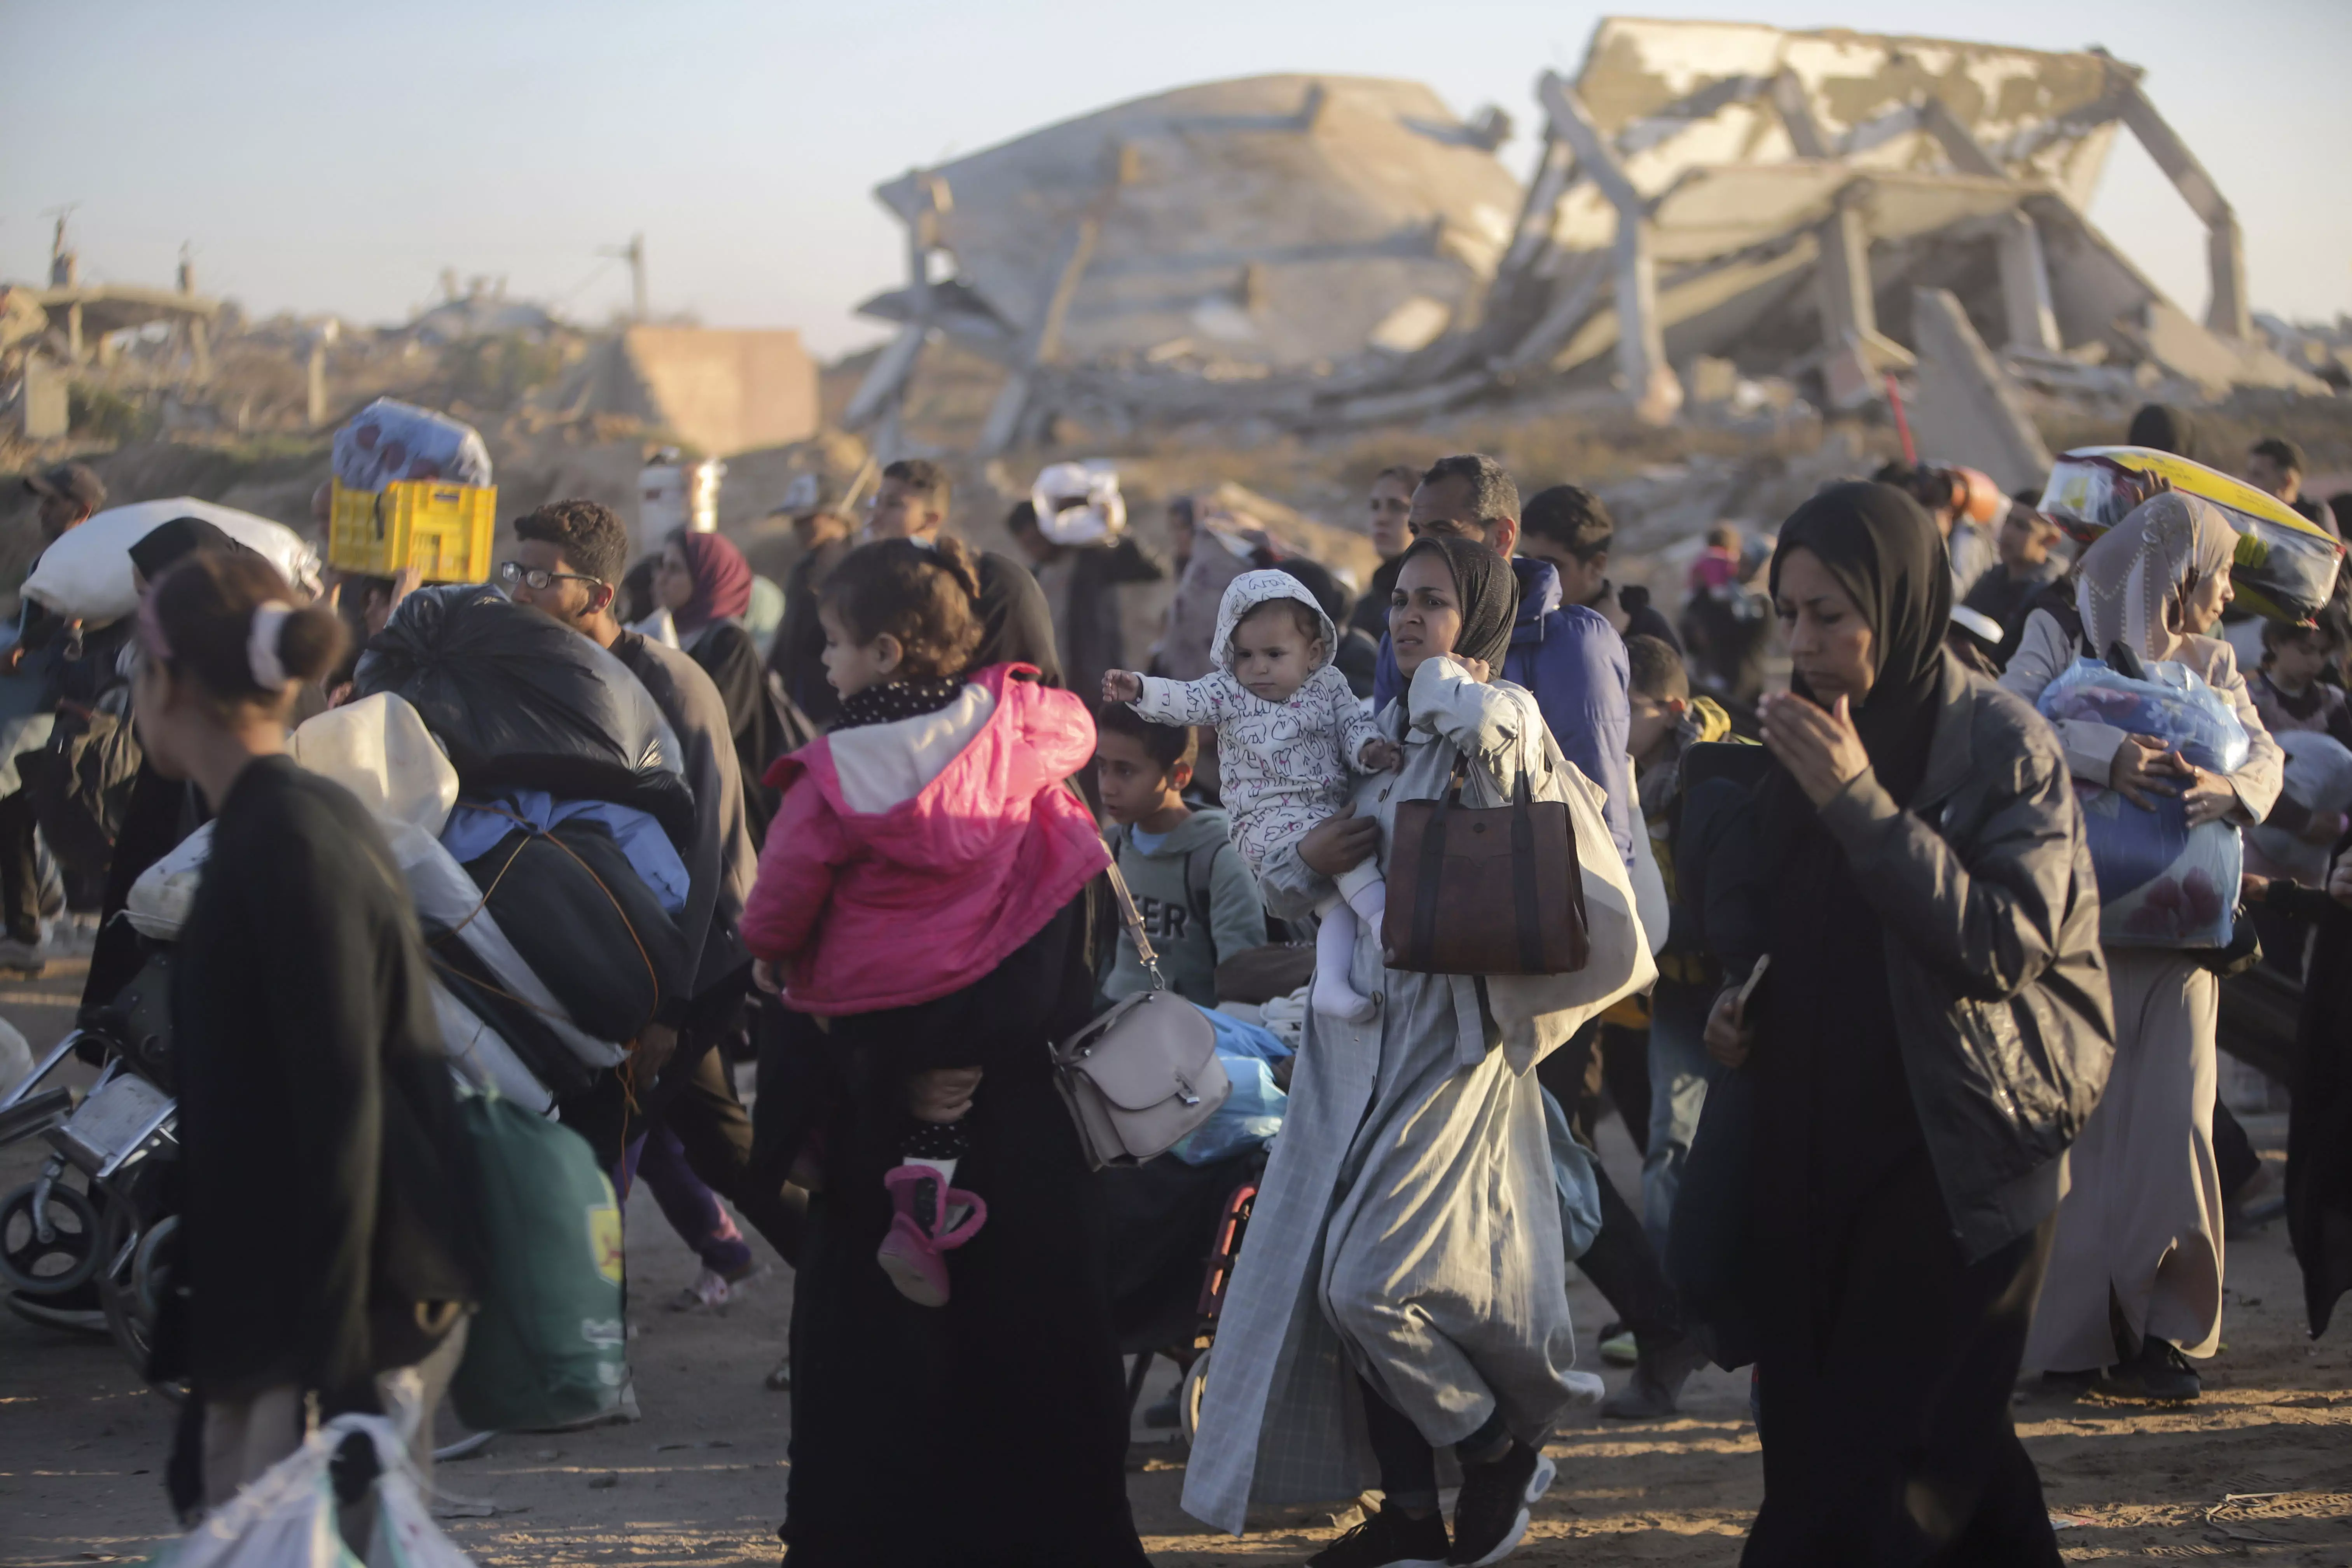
x=2261, y=1468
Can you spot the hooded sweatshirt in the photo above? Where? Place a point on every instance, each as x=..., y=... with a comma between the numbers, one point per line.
x=911, y=858
x=1574, y=662
x=1282, y=766
x=1199, y=903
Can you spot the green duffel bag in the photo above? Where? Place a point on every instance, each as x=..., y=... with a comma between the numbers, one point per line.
x=548, y=1346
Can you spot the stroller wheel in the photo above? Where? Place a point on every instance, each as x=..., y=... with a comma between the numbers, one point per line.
x=65, y=1260
x=1189, y=1394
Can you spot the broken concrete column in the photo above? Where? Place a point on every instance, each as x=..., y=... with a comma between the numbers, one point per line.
x=1650, y=382
x=43, y=408
x=1965, y=409
x=2228, y=312
x=2025, y=285
x=1641, y=336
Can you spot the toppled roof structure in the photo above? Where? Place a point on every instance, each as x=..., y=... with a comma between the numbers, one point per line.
x=1322, y=251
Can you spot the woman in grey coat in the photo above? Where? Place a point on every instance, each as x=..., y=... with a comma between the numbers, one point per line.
x=1403, y=1291
x=1932, y=1031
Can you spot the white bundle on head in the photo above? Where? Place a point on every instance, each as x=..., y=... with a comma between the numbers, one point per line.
x=1079, y=503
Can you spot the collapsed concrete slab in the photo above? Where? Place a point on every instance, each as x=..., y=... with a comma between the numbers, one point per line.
x=1966, y=409
x=1317, y=252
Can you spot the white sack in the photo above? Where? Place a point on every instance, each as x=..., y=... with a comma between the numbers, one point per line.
x=2318, y=776
x=379, y=749
x=85, y=575
x=159, y=900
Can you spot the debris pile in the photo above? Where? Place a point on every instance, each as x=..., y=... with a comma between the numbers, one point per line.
x=1711, y=201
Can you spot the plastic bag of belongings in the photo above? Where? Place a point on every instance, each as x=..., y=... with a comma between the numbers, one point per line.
x=388, y=441
x=521, y=703
x=290, y=1516
x=85, y=575
x=2162, y=883
x=2286, y=564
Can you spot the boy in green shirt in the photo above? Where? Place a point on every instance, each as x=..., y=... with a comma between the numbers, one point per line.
x=1197, y=897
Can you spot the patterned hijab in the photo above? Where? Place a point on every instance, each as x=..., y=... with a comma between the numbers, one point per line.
x=722, y=581
x=2128, y=579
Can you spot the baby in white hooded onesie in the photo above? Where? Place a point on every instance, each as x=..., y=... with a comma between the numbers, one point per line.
x=1288, y=730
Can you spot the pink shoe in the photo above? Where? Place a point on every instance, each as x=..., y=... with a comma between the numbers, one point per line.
x=911, y=1253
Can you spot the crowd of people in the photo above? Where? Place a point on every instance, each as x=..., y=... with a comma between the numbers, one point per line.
x=1913, y=1124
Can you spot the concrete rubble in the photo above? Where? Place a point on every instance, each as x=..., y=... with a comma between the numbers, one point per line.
x=1709, y=200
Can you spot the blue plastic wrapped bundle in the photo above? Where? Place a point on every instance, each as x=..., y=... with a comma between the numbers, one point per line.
x=1252, y=1114
x=2162, y=883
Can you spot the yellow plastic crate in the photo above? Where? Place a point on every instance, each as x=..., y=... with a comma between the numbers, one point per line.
x=443, y=530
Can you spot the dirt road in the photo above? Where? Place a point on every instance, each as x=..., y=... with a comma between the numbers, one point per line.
x=700, y=1480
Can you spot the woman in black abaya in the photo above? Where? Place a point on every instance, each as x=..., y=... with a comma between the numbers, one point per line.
x=1924, y=848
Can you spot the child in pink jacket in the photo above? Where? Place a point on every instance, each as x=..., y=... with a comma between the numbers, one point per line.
x=918, y=845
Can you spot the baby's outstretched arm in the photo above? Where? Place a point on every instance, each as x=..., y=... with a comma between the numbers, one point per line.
x=1210, y=700
x=1121, y=686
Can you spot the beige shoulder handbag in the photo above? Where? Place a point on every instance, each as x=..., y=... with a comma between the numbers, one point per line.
x=1144, y=1074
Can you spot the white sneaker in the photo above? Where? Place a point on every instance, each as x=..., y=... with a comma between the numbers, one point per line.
x=29, y=959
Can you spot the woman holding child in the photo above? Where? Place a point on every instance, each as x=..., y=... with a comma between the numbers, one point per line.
x=957, y=1393
x=1403, y=1289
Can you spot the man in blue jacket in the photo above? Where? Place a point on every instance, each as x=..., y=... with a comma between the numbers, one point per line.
x=1569, y=655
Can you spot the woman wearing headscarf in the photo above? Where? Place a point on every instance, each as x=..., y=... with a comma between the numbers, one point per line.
x=1403, y=1293
x=705, y=583
x=2139, y=1240
x=1929, y=889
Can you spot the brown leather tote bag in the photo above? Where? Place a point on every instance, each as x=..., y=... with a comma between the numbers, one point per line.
x=1484, y=890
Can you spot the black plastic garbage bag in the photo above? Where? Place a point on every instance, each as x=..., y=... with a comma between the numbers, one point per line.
x=520, y=701
x=589, y=927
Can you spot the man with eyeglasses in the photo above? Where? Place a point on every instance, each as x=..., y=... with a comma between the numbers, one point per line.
x=569, y=558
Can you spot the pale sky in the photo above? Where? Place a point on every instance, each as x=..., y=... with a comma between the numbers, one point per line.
x=338, y=156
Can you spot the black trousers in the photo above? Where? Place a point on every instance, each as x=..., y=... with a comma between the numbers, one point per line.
x=716, y=1133
x=1408, y=1464
x=696, y=1098
x=1885, y=1364
x=1620, y=1262
x=20, y=870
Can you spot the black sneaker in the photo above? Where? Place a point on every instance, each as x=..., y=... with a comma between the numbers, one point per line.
x=1389, y=1539
x=2159, y=1372
x=1490, y=1517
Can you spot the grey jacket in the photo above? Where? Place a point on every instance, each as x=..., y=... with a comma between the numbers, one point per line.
x=1199, y=903
x=1999, y=984
x=721, y=863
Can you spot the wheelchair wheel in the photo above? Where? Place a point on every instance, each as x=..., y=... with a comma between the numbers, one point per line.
x=1189, y=1394
x=130, y=1286
x=66, y=1260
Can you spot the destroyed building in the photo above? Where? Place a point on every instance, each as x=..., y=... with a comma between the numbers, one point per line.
x=718, y=390
x=1323, y=251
